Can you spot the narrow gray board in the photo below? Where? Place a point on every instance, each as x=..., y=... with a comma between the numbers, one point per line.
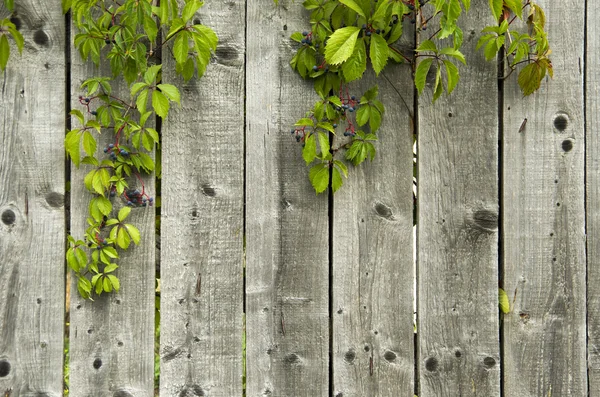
x=32, y=227
x=592, y=179
x=112, y=338
x=373, y=269
x=287, y=242
x=543, y=221
x=458, y=330
x=202, y=219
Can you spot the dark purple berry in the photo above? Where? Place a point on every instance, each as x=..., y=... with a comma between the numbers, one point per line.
x=334, y=125
x=315, y=68
x=94, y=113
x=305, y=33
x=368, y=33
x=353, y=97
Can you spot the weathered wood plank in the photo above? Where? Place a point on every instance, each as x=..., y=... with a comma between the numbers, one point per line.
x=202, y=220
x=32, y=227
x=373, y=269
x=112, y=338
x=592, y=178
x=287, y=274
x=458, y=330
x=544, y=240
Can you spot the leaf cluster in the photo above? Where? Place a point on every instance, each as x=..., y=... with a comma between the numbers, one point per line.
x=8, y=29
x=347, y=36
x=126, y=35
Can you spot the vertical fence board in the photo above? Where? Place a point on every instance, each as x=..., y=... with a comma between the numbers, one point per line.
x=112, y=338
x=287, y=225
x=202, y=220
x=544, y=241
x=373, y=269
x=458, y=330
x=592, y=178
x=32, y=228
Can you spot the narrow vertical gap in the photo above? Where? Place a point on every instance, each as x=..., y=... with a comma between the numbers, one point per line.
x=416, y=374
x=330, y=217
x=500, y=255
x=157, y=235
x=244, y=212
x=67, y=167
x=585, y=190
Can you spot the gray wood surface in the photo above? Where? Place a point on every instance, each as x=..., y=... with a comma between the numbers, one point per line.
x=202, y=220
x=592, y=178
x=543, y=221
x=32, y=227
x=458, y=330
x=112, y=338
x=287, y=265
x=373, y=269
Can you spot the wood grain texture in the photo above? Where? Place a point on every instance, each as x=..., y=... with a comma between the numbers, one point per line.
x=112, y=338
x=287, y=266
x=458, y=330
x=202, y=220
x=544, y=236
x=32, y=227
x=592, y=178
x=373, y=269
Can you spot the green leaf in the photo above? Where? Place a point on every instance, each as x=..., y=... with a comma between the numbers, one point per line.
x=134, y=233
x=438, y=87
x=370, y=94
x=342, y=167
x=4, y=51
x=208, y=36
x=160, y=103
x=451, y=75
x=355, y=7
x=355, y=66
x=304, y=122
x=170, y=92
x=177, y=25
x=496, y=7
x=454, y=53
x=66, y=6
x=89, y=143
x=123, y=213
x=150, y=27
x=421, y=74
x=363, y=114
x=378, y=53
x=319, y=177
x=340, y=45
x=309, y=152
x=151, y=73
x=190, y=9
x=323, y=143
x=114, y=281
x=141, y=101
x=123, y=239
x=515, y=6
x=336, y=179
x=375, y=119
x=427, y=45
x=72, y=141
x=181, y=47
x=503, y=301
x=530, y=78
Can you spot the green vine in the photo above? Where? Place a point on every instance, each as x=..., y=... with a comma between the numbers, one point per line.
x=346, y=35
x=8, y=29
x=127, y=34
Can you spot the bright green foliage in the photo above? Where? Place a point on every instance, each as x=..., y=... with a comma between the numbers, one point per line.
x=8, y=29
x=125, y=35
x=503, y=301
x=348, y=35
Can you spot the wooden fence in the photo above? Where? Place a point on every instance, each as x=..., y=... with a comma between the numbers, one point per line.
x=320, y=290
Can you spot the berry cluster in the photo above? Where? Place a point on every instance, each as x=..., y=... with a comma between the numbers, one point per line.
x=135, y=198
x=308, y=39
x=114, y=151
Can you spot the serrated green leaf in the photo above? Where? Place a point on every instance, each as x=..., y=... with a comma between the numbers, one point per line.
x=438, y=87
x=342, y=167
x=421, y=73
x=340, y=44
x=104, y=205
x=503, y=301
x=319, y=177
x=496, y=7
x=114, y=281
x=151, y=73
x=190, y=9
x=378, y=52
x=141, y=101
x=123, y=239
x=354, y=6
x=160, y=103
x=123, y=213
x=134, y=233
x=309, y=152
x=208, y=36
x=363, y=114
x=336, y=179
x=370, y=94
x=4, y=52
x=530, y=78
x=170, y=92
x=452, y=76
x=454, y=53
x=305, y=122
x=72, y=142
x=89, y=143
x=324, y=143
x=375, y=119
x=181, y=47
x=515, y=6
x=427, y=45
x=355, y=66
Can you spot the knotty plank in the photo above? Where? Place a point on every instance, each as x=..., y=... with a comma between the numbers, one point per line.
x=373, y=269
x=287, y=266
x=544, y=236
x=202, y=220
x=592, y=179
x=458, y=330
x=112, y=338
x=32, y=227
